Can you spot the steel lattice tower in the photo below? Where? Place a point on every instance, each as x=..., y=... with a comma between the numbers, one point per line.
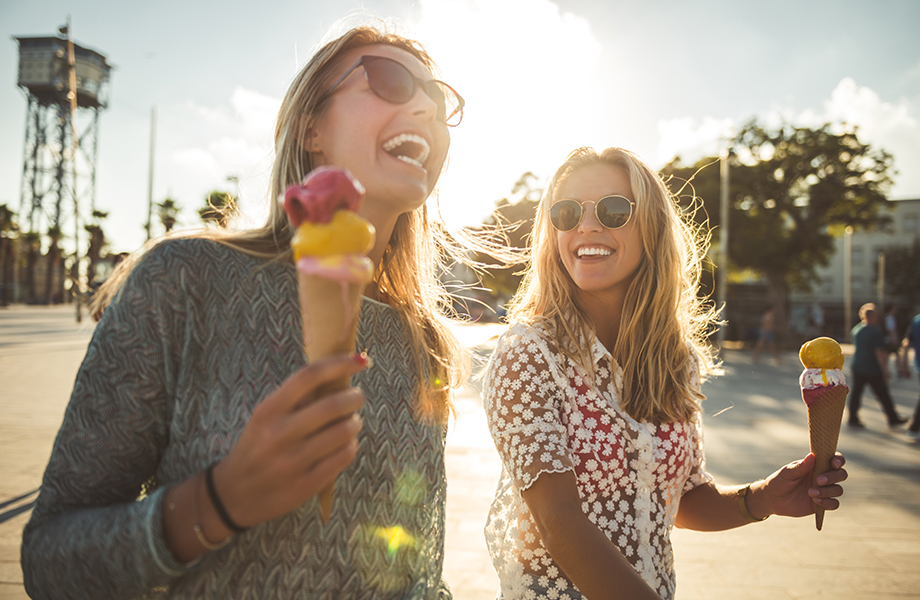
x=49, y=192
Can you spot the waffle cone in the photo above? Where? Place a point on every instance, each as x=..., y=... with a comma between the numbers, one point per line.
x=330, y=311
x=825, y=413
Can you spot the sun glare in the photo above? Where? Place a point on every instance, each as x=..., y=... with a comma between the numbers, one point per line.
x=528, y=74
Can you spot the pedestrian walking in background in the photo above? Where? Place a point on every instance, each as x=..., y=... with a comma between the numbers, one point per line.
x=593, y=397
x=870, y=367
x=766, y=335
x=912, y=342
x=196, y=441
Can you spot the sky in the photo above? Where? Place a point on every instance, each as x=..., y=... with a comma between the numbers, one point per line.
x=540, y=77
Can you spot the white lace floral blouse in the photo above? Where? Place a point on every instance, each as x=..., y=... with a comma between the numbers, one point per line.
x=545, y=418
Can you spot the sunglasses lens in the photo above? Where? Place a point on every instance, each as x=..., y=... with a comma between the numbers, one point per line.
x=613, y=211
x=565, y=215
x=390, y=80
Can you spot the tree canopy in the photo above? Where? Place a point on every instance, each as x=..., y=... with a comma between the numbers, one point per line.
x=792, y=191
x=219, y=207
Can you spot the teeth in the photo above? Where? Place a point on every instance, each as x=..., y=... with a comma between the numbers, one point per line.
x=593, y=251
x=411, y=143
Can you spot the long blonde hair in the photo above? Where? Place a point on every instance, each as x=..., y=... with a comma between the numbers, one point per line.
x=417, y=250
x=663, y=319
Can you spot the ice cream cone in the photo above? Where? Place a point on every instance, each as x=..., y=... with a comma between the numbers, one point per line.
x=825, y=413
x=330, y=327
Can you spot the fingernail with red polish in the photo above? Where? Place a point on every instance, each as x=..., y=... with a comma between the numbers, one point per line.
x=363, y=360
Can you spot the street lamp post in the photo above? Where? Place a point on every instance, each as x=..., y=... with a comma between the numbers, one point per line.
x=72, y=96
x=847, y=282
x=723, y=238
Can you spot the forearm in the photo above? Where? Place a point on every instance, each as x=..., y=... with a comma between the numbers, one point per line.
x=712, y=507
x=104, y=552
x=589, y=559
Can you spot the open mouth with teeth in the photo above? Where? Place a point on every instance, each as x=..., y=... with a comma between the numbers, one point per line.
x=409, y=148
x=593, y=252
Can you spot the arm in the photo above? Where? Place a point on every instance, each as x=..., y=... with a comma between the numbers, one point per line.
x=589, y=559
x=787, y=492
x=287, y=454
x=881, y=355
x=89, y=535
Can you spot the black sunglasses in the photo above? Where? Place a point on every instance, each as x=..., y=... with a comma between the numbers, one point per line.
x=612, y=212
x=391, y=81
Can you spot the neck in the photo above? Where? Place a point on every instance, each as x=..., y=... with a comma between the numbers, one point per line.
x=604, y=312
x=384, y=222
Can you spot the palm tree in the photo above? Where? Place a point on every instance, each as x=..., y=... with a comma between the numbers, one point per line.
x=219, y=207
x=168, y=211
x=32, y=242
x=8, y=230
x=96, y=244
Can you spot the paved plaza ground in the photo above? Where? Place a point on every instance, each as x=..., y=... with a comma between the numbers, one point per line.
x=755, y=422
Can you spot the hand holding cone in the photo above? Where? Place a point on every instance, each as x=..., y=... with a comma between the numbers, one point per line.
x=330, y=246
x=824, y=392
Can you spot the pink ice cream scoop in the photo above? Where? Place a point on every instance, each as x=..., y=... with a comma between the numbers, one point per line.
x=324, y=191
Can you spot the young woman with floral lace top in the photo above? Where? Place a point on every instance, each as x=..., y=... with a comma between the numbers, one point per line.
x=593, y=397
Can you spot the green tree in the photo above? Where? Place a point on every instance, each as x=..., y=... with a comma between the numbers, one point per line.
x=516, y=217
x=168, y=212
x=54, y=263
x=218, y=209
x=32, y=241
x=901, y=267
x=793, y=189
x=8, y=229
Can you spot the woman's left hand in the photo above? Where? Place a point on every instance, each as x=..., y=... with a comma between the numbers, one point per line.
x=790, y=491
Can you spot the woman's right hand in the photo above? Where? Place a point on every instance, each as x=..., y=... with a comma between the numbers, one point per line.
x=294, y=445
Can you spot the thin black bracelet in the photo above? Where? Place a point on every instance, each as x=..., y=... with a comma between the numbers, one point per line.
x=218, y=505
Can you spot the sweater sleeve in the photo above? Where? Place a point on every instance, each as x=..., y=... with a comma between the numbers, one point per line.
x=96, y=531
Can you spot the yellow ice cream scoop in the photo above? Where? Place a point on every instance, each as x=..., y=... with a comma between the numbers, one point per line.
x=821, y=353
x=347, y=233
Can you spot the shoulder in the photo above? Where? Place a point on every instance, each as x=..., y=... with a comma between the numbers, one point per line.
x=526, y=337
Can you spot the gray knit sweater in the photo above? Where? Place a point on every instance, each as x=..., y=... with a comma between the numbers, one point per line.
x=196, y=338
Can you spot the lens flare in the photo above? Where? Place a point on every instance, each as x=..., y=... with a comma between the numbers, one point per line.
x=411, y=487
x=395, y=538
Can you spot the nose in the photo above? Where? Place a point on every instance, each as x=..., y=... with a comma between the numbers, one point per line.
x=421, y=104
x=589, y=222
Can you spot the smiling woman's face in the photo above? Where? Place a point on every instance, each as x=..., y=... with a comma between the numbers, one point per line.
x=395, y=150
x=599, y=260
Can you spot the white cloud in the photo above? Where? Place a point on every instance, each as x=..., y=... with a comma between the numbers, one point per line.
x=685, y=138
x=231, y=139
x=892, y=126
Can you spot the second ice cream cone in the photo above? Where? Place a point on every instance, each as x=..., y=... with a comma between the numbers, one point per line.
x=825, y=413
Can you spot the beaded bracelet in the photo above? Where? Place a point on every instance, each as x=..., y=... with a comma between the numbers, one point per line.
x=218, y=505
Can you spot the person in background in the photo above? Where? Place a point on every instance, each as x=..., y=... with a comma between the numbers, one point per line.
x=593, y=397
x=870, y=367
x=912, y=342
x=766, y=335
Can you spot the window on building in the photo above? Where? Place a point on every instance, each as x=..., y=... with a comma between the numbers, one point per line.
x=910, y=223
x=856, y=255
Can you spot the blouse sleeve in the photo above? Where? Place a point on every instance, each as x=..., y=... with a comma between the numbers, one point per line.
x=94, y=533
x=698, y=474
x=523, y=389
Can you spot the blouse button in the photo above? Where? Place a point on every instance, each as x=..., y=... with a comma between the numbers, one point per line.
x=644, y=490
